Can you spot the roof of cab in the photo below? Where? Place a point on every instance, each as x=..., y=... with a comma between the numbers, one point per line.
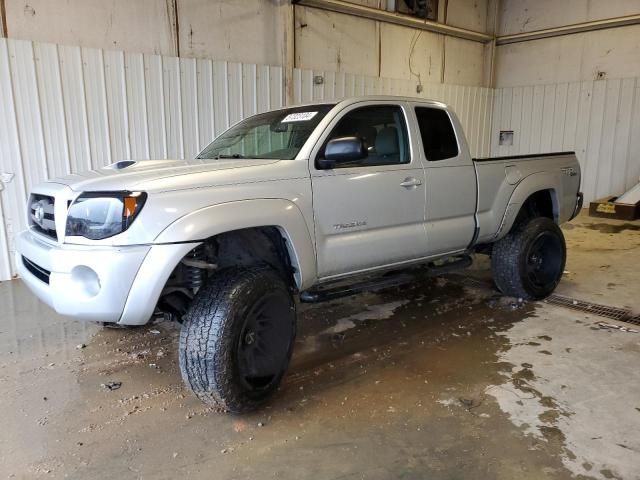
x=369, y=98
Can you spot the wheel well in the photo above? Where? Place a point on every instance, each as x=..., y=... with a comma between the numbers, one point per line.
x=539, y=204
x=248, y=247
x=253, y=246
x=542, y=203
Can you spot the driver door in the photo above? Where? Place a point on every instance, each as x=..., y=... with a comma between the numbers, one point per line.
x=369, y=213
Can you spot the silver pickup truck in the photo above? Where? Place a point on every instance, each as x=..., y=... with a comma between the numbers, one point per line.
x=308, y=202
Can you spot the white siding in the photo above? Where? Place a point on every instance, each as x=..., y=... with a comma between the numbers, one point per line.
x=67, y=109
x=600, y=120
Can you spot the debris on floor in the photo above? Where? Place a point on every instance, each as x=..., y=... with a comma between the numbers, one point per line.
x=111, y=385
x=611, y=326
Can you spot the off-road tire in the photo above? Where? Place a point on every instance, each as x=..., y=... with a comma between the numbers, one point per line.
x=511, y=259
x=212, y=337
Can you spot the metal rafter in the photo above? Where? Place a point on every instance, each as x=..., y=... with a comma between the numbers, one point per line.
x=340, y=6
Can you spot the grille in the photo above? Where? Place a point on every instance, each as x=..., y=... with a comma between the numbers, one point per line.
x=36, y=270
x=42, y=215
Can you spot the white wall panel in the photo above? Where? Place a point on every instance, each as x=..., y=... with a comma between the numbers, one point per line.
x=92, y=79
x=67, y=109
x=117, y=108
x=52, y=111
x=234, y=90
x=172, y=106
x=28, y=111
x=189, y=108
x=204, y=106
x=137, y=105
x=221, y=102
x=154, y=92
x=599, y=120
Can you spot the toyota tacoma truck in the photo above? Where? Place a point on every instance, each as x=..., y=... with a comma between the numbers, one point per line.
x=300, y=203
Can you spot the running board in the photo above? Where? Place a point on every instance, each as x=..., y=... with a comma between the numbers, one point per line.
x=327, y=293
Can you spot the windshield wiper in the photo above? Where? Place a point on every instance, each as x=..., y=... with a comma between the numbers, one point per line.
x=220, y=156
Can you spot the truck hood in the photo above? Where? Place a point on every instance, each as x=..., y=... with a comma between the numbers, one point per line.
x=161, y=174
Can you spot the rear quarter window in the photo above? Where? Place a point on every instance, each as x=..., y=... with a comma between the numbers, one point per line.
x=438, y=137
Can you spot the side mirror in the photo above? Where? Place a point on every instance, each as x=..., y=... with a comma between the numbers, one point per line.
x=342, y=150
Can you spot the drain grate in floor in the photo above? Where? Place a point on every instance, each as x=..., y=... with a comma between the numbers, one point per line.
x=635, y=320
x=614, y=313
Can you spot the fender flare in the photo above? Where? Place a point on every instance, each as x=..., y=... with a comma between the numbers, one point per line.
x=226, y=217
x=536, y=182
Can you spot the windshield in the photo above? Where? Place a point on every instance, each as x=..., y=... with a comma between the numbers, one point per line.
x=279, y=134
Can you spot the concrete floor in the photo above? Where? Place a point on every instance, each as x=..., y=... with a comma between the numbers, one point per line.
x=439, y=381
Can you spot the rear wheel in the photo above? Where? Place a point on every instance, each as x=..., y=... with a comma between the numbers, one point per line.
x=237, y=338
x=529, y=261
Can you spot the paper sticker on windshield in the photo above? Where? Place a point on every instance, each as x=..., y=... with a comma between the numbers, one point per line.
x=299, y=117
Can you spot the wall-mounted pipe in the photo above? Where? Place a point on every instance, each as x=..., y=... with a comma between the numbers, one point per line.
x=289, y=52
x=569, y=29
x=177, y=27
x=443, y=66
x=395, y=18
x=495, y=21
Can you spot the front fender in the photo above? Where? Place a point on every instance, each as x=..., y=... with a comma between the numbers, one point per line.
x=226, y=217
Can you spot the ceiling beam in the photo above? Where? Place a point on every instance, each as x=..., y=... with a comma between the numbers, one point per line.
x=379, y=15
x=569, y=29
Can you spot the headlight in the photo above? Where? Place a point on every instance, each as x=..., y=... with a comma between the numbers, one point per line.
x=98, y=215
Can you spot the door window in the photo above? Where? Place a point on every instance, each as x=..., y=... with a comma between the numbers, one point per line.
x=383, y=130
x=438, y=137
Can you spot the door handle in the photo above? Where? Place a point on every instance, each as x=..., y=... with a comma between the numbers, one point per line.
x=410, y=182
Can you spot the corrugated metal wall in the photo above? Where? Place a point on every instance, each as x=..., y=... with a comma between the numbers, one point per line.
x=600, y=120
x=66, y=109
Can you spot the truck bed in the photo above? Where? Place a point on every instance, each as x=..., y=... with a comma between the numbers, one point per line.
x=499, y=177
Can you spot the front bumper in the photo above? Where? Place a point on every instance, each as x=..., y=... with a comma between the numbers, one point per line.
x=102, y=284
